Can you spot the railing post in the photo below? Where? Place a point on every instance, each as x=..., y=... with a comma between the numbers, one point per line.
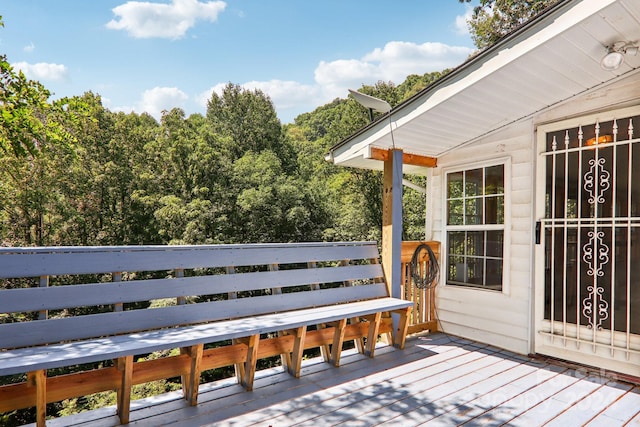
x=44, y=282
x=117, y=277
x=392, y=226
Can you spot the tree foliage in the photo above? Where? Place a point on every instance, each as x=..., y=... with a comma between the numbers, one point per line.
x=233, y=175
x=492, y=19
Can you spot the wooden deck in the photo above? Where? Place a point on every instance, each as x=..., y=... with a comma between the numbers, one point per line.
x=437, y=380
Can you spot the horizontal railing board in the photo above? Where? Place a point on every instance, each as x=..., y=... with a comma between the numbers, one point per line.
x=17, y=361
x=34, y=262
x=69, y=296
x=40, y=332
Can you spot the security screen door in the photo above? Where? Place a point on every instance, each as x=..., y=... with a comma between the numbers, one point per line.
x=588, y=241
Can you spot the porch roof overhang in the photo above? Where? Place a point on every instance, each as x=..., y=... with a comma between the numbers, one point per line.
x=552, y=59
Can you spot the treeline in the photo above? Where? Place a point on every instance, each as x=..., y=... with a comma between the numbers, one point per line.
x=233, y=175
x=84, y=175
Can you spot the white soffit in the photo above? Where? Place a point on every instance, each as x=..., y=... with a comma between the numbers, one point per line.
x=551, y=61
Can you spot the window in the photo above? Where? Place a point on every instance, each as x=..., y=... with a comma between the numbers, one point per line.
x=475, y=227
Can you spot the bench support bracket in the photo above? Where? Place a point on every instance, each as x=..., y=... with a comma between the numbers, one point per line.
x=400, y=335
x=191, y=381
x=372, y=336
x=298, y=349
x=250, y=364
x=338, y=339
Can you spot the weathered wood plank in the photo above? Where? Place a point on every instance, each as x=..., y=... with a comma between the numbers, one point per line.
x=620, y=412
x=20, y=334
x=93, y=294
x=87, y=260
x=588, y=408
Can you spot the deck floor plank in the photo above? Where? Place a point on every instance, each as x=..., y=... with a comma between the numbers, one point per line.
x=436, y=380
x=618, y=412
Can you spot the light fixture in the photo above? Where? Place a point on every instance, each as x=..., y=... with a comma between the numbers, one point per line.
x=614, y=57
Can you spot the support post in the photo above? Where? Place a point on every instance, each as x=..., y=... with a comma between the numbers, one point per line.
x=392, y=226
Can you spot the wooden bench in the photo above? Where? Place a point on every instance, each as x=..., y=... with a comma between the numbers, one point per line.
x=103, y=306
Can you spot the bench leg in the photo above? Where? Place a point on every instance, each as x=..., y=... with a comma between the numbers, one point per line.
x=338, y=339
x=358, y=342
x=325, y=352
x=298, y=349
x=191, y=382
x=250, y=364
x=38, y=379
x=403, y=325
x=372, y=336
x=125, y=366
x=238, y=367
x=285, y=358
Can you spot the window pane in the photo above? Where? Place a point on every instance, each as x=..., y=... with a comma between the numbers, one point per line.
x=456, y=242
x=473, y=210
x=494, y=210
x=454, y=185
x=455, y=215
x=494, y=274
x=457, y=269
x=475, y=271
x=494, y=180
x=473, y=182
x=475, y=243
x=495, y=243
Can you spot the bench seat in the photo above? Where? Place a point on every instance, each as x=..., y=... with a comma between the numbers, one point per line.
x=244, y=302
x=55, y=356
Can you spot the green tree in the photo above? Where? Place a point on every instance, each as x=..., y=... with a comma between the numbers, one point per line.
x=492, y=19
x=26, y=119
x=247, y=117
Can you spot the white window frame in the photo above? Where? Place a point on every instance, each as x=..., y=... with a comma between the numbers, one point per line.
x=505, y=227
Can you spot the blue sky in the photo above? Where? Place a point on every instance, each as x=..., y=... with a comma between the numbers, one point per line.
x=159, y=54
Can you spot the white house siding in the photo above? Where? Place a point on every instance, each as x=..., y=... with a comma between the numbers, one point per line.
x=505, y=319
x=497, y=318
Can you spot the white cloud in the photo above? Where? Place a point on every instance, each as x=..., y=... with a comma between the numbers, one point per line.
x=42, y=70
x=461, y=26
x=160, y=98
x=170, y=21
x=29, y=48
x=284, y=94
x=394, y=62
